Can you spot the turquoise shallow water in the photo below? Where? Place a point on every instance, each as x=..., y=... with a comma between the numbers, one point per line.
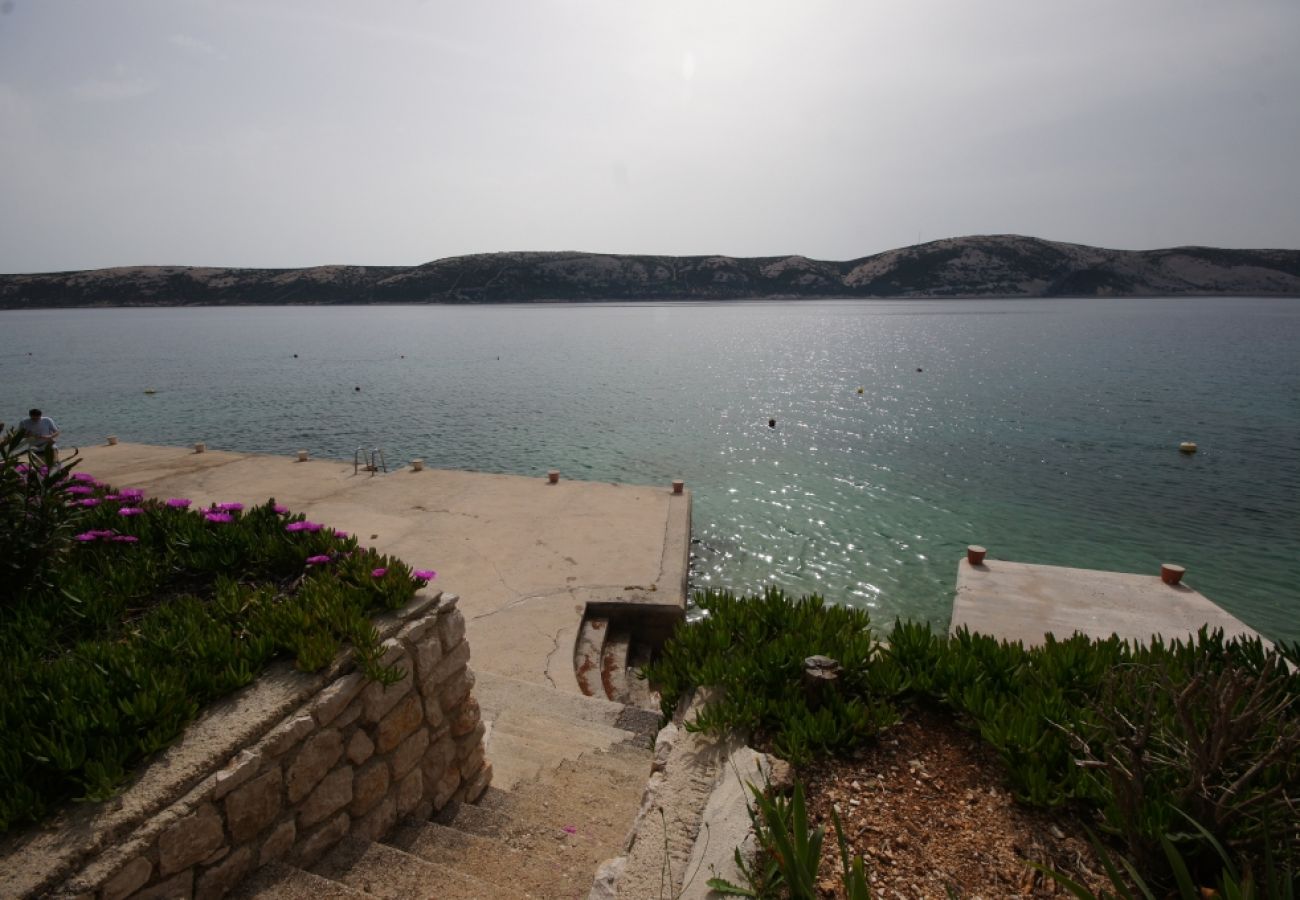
x=1045, y=430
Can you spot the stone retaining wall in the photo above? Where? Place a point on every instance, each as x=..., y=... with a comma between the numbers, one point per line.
x=349, y=761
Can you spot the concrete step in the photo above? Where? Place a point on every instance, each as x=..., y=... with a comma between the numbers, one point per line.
x=384, y=871
x=539, y=873
x=590, y=804
x=613, y=663
x=497, y=694
x=513, y=761
x=277, y=881
x=587, y=652
x=573, y=734
x=634, y=766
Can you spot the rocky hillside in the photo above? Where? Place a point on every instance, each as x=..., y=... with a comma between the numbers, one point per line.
x=981, y=266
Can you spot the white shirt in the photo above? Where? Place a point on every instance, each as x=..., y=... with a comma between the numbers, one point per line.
x=38, y=433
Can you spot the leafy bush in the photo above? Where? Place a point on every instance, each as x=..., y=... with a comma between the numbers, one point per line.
x=1143, y=735
x=35, y=516
x=755, y=650
x=145, y=611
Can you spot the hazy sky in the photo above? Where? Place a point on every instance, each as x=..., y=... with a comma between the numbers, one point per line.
x=276, y=133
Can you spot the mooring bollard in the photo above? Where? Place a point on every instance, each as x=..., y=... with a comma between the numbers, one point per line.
x=975, y=555
x=678, y=484
x=302, y=456
x=112, y=440
x=417, y=465
x=200, y=447
x=553, y=476
x=1171, y=574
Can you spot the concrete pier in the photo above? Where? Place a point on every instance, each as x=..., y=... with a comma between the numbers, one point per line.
x=1023, y=602
x=525, y=556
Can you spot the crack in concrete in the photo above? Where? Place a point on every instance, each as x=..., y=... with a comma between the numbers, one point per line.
x=555, y=645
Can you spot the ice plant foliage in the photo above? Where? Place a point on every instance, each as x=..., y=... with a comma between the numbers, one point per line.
x=200, y=608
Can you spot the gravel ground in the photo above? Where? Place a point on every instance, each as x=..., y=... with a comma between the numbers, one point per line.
x=928, y=808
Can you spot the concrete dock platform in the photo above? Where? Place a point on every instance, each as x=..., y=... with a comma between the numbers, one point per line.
x=525, y=556
x=1023, y=602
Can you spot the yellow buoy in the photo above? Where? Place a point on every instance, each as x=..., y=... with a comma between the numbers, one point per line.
x=1187, y=447
x=859, y=390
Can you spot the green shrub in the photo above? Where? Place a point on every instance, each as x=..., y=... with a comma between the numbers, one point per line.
x=36, y=518
x=754, y=650
x=137, y=621
x=1142, y=735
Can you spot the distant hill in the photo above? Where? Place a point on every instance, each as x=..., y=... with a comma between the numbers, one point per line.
x=979, y=266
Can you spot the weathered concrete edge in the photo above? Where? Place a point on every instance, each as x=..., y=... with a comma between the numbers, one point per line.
x=694, y=810
x=52, y=854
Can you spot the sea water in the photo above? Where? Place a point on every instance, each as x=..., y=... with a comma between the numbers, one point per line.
x=1045, y=430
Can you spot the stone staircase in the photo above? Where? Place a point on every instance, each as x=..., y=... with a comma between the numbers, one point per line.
x=569, y=773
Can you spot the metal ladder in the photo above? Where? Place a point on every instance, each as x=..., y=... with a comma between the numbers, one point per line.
x=371, y=460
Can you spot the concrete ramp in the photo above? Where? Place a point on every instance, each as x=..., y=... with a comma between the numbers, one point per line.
x=1023, y=602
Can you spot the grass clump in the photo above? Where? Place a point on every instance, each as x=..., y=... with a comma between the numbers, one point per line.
x=1140, y=738
x=122, y=617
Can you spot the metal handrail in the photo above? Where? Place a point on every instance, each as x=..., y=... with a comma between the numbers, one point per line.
x=369, y=457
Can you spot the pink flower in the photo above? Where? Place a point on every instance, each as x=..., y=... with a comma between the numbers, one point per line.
x=89, y=501
x=317, y=560
x=378, y=573
x=84, y=476
x=230, y=507
x=218, y=517
x=281, y=509
x=570, y=829
x=303, y=526
x=114, y=497
x=102, y=533
x=126, y=539
x=81, y=489
x=178, y=502
x=130, y=511
x=424, y=576
x=86, y=536
x=341, y=534
x=132, y=494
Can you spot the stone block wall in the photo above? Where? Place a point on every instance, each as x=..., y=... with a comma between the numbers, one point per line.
x=348, y=762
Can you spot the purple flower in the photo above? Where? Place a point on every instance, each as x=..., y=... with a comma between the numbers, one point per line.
x=570, y=829
x=84, y=476
x=230, y=507
x=114, y=497
x=378, y=573
x=81, y=489
x=281, y=509
x=126, y=539
x=303, y=526
x=424, y=576
x=341, y=534
x=130, y=511
x=132, y=494
x=89, y=501
x=218, y=517
x=178, y=502
x=317, y=560
x=102, y=533
x=86, y=536
x=21, y=469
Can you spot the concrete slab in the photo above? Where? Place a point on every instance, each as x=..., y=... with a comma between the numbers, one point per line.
x=524, y=556
x=1023, y=602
